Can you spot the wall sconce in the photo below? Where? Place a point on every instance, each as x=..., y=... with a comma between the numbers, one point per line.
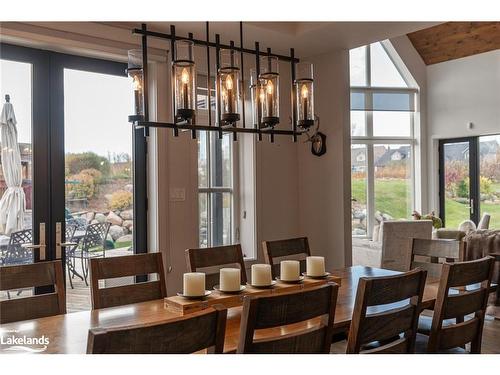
x=184, y=72
x=134, y=70
x=304, y=88
x=229, y=87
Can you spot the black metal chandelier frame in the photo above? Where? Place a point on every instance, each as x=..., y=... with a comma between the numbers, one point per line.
x=144, y=122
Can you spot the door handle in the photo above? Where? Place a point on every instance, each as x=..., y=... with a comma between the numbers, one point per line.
x=41, y=246
x=59, y=243
x=471, y=202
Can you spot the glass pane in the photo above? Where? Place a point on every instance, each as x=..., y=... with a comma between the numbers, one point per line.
x=226, y=161
x=358, y=189
x=202, y=160
x=456, y=183
x=16, y=169
x=221, y=218
x=383, y=71
x=203, y=219
x=357, y=64
x=392, y=124
x=489, y=151
x=220, y=160
x=358, y=123
x=393, y=184
x=98, y=176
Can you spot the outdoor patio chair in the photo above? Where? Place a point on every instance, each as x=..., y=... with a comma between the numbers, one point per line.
x=14, y=254
x=70, y=261
x=91, y=245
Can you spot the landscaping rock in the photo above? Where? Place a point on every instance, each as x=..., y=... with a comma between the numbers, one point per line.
x=90, y=216
x=127, y=224
x=129, y=187
x=127, y=215
x=114, y=219
x=116, y=232
x=125, y=230
x=125, y=238
x=94, y=222
x=101, y=218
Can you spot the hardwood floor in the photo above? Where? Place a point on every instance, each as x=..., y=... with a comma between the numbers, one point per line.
x=490, y=344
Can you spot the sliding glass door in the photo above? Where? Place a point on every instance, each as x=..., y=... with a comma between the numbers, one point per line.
x=470, y=180
x=83, y=166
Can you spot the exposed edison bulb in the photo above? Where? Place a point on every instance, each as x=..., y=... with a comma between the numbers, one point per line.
x=304, y=91
x=185, y=76
x=270, y=87
x=229, y=82
x=262, y=94
x=224, y=93
x=136, y=83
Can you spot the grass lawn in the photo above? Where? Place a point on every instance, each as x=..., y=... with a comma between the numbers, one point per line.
x=392, y=197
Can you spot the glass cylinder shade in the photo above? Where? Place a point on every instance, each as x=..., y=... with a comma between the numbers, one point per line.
x=254, y=96
x=304, y=89
x=229, y=87
x=269, y=94
x=134, y=70
x=184, y=75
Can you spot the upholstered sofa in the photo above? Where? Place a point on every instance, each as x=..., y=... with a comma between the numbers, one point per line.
x=391, y=251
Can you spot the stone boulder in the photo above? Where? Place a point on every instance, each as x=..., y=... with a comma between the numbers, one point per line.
x=125, y=238
x=129, y=187
x=101, y=218
x=114, y=219
x=127, y=215
x=94, y=222
x=127, y=224
x=116, y=232
x=89, y=216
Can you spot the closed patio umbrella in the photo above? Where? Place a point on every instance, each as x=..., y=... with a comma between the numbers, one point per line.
x=13, y=202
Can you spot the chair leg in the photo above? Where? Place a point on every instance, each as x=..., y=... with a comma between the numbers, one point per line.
x=85, y=270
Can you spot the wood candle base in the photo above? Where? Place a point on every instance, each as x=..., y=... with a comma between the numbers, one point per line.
x=183, y=306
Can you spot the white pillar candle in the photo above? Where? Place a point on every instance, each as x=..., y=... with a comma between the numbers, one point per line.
x=315, y=266
x=289, y=270
x=230, y=279
x=194, y=284
x=261, y=274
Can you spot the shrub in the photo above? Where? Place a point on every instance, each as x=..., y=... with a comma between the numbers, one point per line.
x=120, y=200
x=485, y=185
x=76, y=163
x=463, y=188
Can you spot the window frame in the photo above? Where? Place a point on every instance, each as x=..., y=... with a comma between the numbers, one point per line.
x=369, y=139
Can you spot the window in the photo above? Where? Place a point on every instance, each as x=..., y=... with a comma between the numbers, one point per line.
x=216, y=198
x=382, y=139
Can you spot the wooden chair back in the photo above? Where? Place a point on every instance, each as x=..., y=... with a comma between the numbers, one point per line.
x=126, y=266
x=30, y=276
x=288, y=249
x=463, y=290
x=280, y=310
x=211, y=259
x=184, y=335
x=431, y=254
x=386, y=312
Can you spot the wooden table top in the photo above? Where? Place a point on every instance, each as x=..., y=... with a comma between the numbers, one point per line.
x=68, y=333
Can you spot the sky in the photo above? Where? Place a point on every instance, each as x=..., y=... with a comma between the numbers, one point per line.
x=96, y=107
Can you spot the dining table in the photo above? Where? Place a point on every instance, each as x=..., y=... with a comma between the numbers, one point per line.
x=68, y=333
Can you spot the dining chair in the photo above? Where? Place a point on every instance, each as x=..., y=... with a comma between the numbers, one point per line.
x=278, y=311
x=385, y=314
x=463, y=290
x=287, y=249
x=187, y=334
x=126, y=266
x=34, y=275
x=430, y=254
x=211, y=259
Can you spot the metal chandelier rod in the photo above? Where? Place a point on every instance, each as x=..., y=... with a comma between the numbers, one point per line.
x=141, y=117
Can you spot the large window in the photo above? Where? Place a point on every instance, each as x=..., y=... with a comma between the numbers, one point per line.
x=382, y=139
x=216, y=171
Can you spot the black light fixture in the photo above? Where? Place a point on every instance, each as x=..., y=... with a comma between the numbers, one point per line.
x=134, y=70
x=184, y=76
x=230, y=98
x=269, y=98
x=228, y=87
x=304, y=90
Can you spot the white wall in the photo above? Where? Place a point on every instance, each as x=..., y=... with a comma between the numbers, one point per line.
x=461, y=91
x=325, y=182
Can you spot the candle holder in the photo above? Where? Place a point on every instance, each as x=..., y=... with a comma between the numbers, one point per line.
x=228, y=87
x=304, y=89
x=134, y=70
x=184, y=76
x=269, y=94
